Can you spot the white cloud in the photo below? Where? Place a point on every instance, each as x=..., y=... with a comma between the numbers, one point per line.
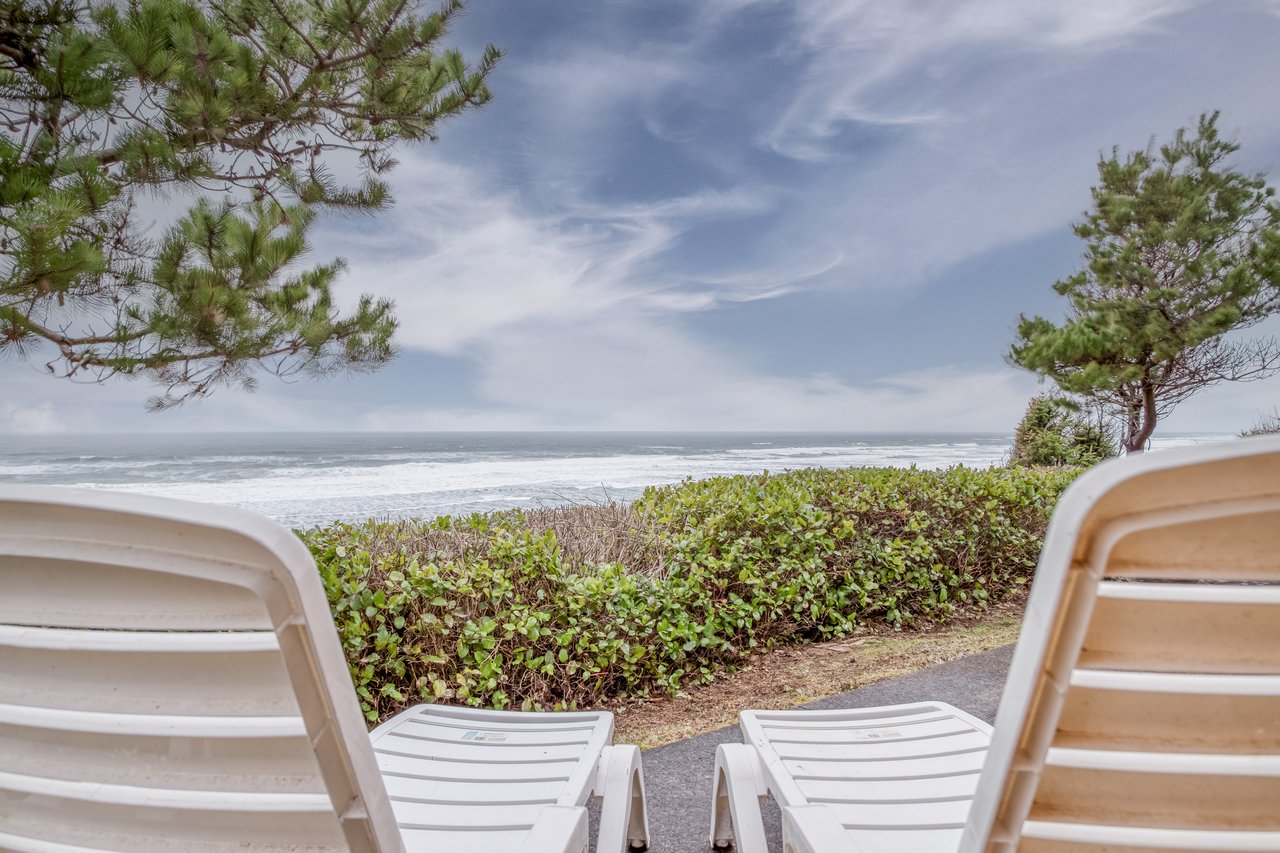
x=587, y=88
x=39, y=419
x=35, y=402
x=621, y=372
x=466, y=260
x=942, y=130
x=868, y=58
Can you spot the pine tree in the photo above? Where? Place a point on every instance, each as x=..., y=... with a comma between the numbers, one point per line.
x=243, y=112
x=1182, y=250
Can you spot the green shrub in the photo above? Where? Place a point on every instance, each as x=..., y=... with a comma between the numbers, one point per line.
x=517, y=609
x=1054, y=433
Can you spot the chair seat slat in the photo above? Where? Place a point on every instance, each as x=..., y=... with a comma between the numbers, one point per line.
x=152, y=725
x=1169, y=682
x=1189, y=763
x=135, y=796
x=93, y=640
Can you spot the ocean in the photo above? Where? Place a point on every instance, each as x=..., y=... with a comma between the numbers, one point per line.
x=307, y=479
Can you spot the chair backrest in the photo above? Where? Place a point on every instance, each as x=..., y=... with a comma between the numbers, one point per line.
x=1142, y=708
x=170, y=680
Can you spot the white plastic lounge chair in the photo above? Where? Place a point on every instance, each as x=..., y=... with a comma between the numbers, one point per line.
x=1141, y=712
x=170, y=680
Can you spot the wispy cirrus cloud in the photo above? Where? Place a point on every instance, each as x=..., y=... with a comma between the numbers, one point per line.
x=887, y=63
x=466, y=260
x=943, y=131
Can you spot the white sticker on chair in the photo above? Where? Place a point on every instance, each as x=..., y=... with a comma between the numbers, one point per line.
x=883, y=734
x=485, y=737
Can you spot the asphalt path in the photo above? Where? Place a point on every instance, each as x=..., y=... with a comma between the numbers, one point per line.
x=677, y=778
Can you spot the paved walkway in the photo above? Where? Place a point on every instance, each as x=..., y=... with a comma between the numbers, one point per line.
x=678, y=777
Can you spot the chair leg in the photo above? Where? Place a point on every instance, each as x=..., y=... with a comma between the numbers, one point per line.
x=735, y=807
x=624, y=822
x=721, y=814
x=638, y=825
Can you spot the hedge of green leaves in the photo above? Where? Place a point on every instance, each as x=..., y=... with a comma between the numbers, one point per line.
x=491, y=610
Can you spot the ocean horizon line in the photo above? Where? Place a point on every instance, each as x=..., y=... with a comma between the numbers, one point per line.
x=317, y=477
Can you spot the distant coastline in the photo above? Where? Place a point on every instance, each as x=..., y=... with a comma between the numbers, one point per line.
x=306, y=479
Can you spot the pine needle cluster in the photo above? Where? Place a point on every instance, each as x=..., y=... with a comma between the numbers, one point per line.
x=242, y=119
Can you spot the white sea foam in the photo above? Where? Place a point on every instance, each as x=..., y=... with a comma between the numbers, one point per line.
x=355, y=477
x=382, y=487
x=622, y=471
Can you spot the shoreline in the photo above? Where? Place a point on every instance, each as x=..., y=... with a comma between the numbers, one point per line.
x=304, y=480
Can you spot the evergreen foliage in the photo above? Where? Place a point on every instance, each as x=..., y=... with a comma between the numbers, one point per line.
x=1054, y=433
x=1182, y=250
x=112, y=108
x=515, y=610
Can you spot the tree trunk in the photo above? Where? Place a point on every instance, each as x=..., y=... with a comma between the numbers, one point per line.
x=1133, y=417
x=1142, y=422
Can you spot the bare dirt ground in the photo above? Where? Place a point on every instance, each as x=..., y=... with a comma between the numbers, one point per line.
x=795, y=675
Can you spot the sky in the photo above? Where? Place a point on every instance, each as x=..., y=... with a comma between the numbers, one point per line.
x=749, y=215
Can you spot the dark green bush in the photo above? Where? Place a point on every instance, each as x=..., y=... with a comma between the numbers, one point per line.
x=517, y=609
x=1053, y=432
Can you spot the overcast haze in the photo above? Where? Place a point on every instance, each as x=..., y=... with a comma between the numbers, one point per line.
x=749, y=215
